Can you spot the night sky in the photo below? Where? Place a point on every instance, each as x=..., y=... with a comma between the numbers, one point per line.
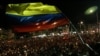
x=74, y=10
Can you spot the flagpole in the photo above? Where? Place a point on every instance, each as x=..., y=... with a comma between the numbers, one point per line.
x=79, y=36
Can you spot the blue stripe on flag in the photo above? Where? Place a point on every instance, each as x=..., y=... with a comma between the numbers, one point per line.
x=33, y=19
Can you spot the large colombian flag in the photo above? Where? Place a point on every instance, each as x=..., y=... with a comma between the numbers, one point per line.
x=30, y=17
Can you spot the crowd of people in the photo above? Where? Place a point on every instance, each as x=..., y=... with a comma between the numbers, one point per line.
x=50, y=46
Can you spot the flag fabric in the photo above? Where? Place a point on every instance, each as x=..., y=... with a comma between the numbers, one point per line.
x=21, y=20
x=40, y=26
x=28, y=9
x=34, y=17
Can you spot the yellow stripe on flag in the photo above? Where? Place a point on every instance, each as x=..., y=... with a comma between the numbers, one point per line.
x=28, y=9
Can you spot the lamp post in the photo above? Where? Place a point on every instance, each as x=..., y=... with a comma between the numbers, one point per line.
x=91, y=10
x=81, y=24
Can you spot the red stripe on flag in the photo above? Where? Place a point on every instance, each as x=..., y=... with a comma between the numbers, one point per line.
x=40, y=26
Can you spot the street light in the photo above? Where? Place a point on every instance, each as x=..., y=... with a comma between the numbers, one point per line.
x=91, y=10
x=81, y=23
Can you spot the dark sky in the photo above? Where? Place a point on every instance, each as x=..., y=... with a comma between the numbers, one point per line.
x=74, y=10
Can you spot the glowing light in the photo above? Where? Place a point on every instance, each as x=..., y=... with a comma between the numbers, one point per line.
x=54, y=23
x=82, y=32
x=81, y=22
x=39, y=27
x=0, y=29
x=52, y=34
x=45, y=22
x=74, y=32
x=37, y=24
x=87, y=31
x=91, y=10
x=43, y=35
x=93, y=31
x=58, y=34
